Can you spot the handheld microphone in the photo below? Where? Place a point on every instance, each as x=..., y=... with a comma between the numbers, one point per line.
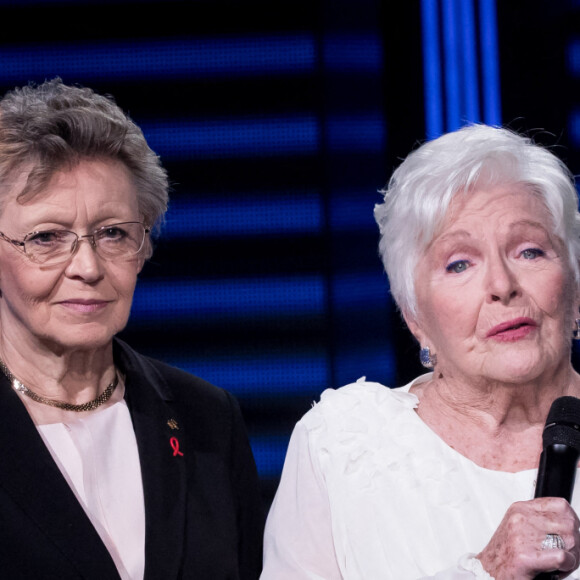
x=560, y=454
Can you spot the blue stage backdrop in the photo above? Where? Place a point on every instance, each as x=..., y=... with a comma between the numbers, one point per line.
x=278, y=123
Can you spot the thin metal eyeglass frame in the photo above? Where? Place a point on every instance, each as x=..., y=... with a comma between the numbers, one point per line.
x=21, y=245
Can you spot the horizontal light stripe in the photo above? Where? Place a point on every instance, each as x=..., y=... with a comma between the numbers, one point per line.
x=270, y=374
x=361, y=132
x=291, y=134
x=179, y=300
x=295, y=212
x=269, y=213
x=160, y=59
x=183, y=139
x=360, y=289
x=192, y=299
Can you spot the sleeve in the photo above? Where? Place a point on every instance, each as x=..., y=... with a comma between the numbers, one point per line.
x=298, y=542
x=250, y=512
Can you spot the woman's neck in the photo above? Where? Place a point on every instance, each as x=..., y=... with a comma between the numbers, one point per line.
x=73, y=376
x=496, y=425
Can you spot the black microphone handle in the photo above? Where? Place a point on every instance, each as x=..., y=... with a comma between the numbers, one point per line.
x=557, y=471
x=556, y=475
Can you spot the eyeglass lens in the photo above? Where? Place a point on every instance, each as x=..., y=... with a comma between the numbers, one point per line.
x=116, y=240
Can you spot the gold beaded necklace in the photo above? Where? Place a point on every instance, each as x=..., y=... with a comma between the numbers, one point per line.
x=91, y=405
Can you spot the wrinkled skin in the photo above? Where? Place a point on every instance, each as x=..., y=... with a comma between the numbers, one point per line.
x=515, y=550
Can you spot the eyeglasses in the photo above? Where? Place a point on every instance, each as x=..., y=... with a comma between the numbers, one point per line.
x=121, y=240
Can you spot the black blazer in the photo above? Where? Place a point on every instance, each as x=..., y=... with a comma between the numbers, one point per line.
x=203, y=512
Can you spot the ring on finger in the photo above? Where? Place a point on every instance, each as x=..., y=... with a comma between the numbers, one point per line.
x=553, y=542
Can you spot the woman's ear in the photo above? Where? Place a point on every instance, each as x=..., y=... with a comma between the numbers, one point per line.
x=576, y=323
x=145, y=253
x=576, y=311
x=415, y=327
x=427, y=355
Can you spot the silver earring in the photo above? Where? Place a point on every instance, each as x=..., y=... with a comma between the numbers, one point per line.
x=576, y=331
x=427, y=359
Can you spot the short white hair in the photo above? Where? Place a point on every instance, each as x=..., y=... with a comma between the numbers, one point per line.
x=421, y=189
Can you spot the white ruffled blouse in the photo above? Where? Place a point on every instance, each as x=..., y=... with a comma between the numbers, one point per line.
x=369, y=492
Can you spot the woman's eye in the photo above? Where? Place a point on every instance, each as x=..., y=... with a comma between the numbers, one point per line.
x=531, y=253
x=43, y=238
x=113, y=233
x=457, y=267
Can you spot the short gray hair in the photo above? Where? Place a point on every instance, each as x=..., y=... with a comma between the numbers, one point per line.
x=421, y=189
x=53, y=126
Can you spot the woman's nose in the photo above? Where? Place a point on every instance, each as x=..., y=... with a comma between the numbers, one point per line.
x=84, y=262
x=502, y=282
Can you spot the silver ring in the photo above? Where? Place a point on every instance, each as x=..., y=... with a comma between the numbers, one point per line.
x=553, y=541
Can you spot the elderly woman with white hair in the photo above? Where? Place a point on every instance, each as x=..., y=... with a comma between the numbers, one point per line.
x=437, y=479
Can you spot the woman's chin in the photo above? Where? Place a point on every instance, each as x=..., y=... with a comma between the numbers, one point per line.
x=75, y=340
x=518, y=371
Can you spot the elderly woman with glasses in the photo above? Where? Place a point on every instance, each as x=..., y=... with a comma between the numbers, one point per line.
x=114, y=465
x=480, y=237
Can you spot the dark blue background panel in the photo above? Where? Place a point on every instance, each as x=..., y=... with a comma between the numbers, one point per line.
x=278, y=123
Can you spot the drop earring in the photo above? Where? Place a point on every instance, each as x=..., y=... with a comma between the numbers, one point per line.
x=427, y=359
x=576, y=331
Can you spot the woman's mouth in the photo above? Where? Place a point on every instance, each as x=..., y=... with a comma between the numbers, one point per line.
x=84, y=306
x=512, y=330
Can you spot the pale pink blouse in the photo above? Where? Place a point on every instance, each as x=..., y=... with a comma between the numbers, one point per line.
x=97, y=453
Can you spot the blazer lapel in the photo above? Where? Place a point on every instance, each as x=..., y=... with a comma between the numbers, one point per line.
x=158, y=432
x=31, y=478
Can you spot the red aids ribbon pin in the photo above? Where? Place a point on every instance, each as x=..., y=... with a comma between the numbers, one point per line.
x=175, y=446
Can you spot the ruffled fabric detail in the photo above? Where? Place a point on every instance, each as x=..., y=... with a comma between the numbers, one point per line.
x=403, y=503
x=368, y=429
x=471, y=564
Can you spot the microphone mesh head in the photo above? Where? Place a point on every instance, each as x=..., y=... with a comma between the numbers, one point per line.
x=563, y=423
